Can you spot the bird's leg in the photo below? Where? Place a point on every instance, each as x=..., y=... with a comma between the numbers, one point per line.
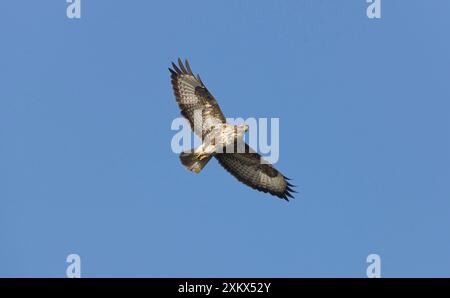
x=200, y=155
x=204, y=151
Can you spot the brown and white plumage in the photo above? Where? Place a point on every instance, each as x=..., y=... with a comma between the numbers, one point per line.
x=248, y=169
x=192, y=95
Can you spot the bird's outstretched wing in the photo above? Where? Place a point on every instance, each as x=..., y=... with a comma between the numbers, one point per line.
x=197, y=105
x=248, y=169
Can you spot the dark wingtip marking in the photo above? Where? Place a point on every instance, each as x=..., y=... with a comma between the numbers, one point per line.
x=182, y=66
x=189, y=68
x=285, y=196
x=291, y=185
x=176, y=68
x=290, y=189
x=172, y=71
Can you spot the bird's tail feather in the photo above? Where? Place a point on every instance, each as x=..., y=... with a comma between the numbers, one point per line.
x=193, y=163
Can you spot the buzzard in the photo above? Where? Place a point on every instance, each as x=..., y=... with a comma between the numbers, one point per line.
x=207, y=121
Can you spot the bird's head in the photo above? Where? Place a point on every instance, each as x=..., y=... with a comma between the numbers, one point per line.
x=240, y=129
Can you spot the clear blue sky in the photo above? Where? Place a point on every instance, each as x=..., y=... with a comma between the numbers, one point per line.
x=86, y=165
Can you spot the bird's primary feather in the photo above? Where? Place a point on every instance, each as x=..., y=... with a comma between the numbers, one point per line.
x=197, y=104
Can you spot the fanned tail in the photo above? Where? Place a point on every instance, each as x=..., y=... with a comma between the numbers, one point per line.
x=193, y=163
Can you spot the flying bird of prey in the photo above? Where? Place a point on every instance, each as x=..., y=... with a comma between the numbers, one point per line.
x=207, y=121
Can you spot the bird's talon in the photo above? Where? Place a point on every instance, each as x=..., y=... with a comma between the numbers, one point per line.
x=199, y=155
